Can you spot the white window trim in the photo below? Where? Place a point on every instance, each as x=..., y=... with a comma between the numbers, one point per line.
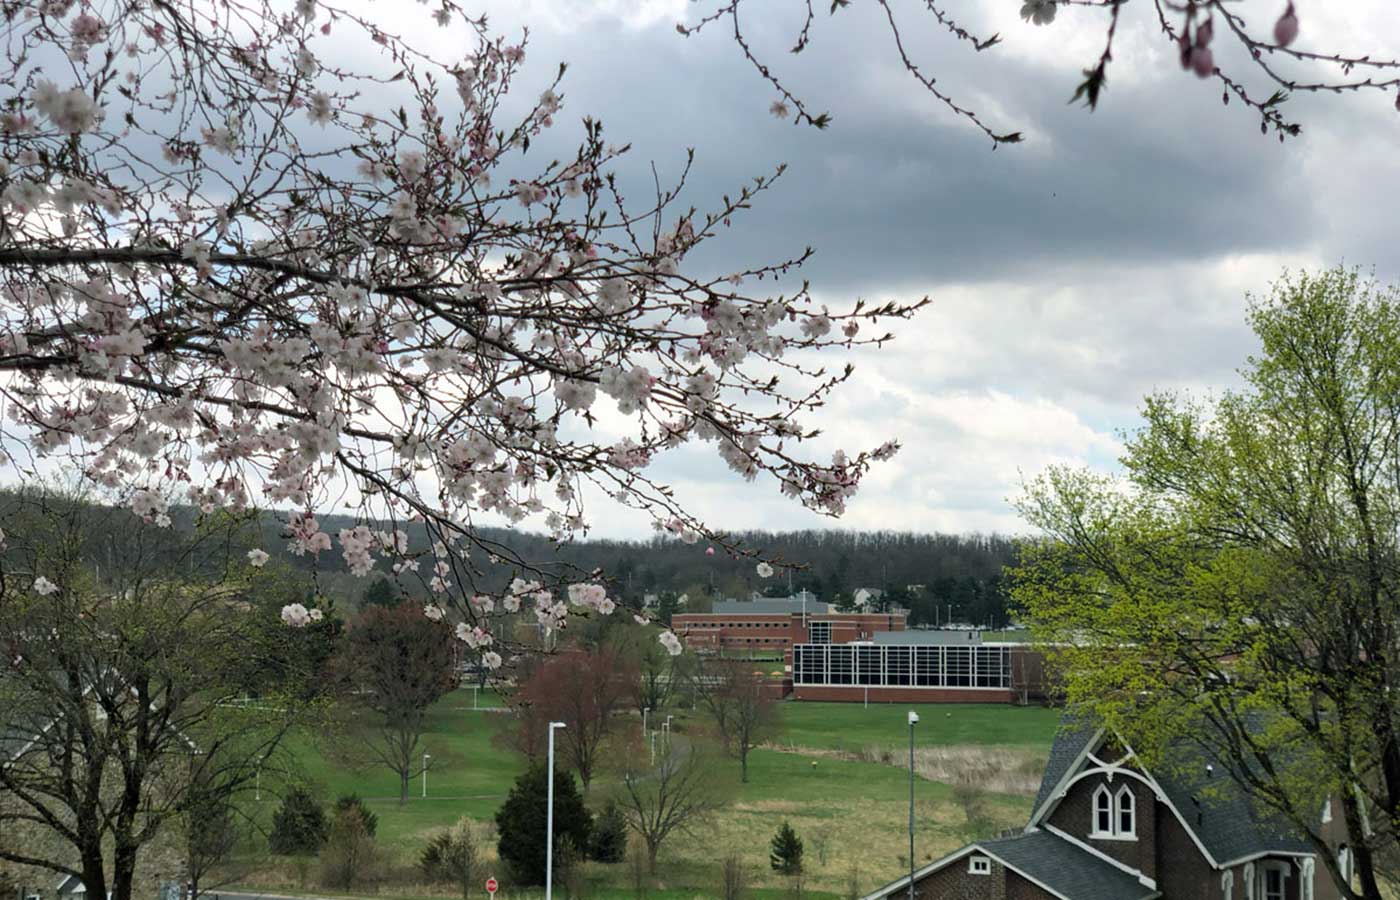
x=1130, y=833
x=979, y=865
x=1308, y=866
x=1261, y=874
x=1227, y=884
x=1327, y=811
x=1095, y=831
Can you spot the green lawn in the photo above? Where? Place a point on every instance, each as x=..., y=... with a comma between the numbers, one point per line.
x=852, y=813
x=469, y=775
x=851, y=726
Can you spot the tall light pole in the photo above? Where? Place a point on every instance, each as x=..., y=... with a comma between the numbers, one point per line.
x=549, y=820
x=426, y=757
x=913, y=719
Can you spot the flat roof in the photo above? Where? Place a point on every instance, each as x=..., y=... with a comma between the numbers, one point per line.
x=769, y=606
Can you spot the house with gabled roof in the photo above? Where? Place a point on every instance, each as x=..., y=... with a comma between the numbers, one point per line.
x=1103, y=827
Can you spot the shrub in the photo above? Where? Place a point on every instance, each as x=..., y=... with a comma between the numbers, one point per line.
x=454, y=857
x=349, y=856
x=786, y=853
x=521, y=822
x=299, y=826
x=353, y=801
x=733, y=879
x=609, y=844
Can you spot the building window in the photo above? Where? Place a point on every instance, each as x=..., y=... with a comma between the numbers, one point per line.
x=1272, y=881
x=1125, y=814
x=1344, y=862
x=1103, y=813
x=1305, y=886
x=1327, y=811
x=821, y=632
x=979, y=865
x=1227, y=885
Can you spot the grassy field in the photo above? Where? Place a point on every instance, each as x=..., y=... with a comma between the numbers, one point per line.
x=849, y=804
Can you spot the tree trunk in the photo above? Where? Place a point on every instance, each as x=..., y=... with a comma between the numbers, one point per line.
x=743, y=763
x=652, y=848
x=403, y=786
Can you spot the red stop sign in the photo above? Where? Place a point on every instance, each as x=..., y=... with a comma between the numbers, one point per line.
x=491, y=886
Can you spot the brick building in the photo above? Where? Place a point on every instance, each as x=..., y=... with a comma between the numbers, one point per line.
x=1103, y=827
x=776, y=624
x=912, y=666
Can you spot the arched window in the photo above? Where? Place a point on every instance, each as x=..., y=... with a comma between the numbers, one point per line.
x=1125, y=813
x=1249, y=881
x=1344, y=862
x=1227, y=885
x=1103, y=812
x=1305, y=886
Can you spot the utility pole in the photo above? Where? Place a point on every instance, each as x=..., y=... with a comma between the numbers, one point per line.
x=913, y=719
x=549, y=821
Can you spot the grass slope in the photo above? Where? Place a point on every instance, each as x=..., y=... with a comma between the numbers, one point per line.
x=852, y=814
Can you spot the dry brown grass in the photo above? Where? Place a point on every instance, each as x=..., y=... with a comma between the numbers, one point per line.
x=997, y=770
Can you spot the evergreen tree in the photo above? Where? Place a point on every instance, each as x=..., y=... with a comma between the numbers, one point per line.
x=381, y=592
x=609, y=843
x=785, y=855
x=299, y=825
x=521, y=822
x=353, y=801
x=666, y=606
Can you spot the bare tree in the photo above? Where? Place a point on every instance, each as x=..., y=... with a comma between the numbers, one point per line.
x=737, y=701
x=672, y=798
x=399, y=663
x=582, y=688
x=118, y=702
x=1188, y=27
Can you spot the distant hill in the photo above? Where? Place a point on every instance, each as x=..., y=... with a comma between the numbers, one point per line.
x=925, y=572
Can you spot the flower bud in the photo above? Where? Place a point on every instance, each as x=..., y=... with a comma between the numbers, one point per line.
x=1205, y=33
x=1286, y=28
x=1202, y=62
x=1184, y=44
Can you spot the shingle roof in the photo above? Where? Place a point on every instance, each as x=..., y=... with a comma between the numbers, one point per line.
x=1065, y=869
x=1070, y=739
x=1226, y=820
x=1228, y=824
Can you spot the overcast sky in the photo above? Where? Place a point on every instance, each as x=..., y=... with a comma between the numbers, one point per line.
x=1106, y=257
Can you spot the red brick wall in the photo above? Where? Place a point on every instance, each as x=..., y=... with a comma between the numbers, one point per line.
x=856, y=694
x=954, y=882
x=1075, y=816
x=1182, y=871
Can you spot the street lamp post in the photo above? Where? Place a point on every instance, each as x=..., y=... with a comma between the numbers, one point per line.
x=549, y=820
x=426, y=757
x=913, y=719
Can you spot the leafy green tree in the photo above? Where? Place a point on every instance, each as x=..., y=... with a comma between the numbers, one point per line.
x=299, y=825
x=520, y=822
x=785, y=851
x=1240, y=587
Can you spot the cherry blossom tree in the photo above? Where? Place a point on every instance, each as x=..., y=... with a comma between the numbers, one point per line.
x=280, y=255
x=1274, y=66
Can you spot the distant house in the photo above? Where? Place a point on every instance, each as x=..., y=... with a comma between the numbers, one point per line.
x=1105, y=828
x=865, y=598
